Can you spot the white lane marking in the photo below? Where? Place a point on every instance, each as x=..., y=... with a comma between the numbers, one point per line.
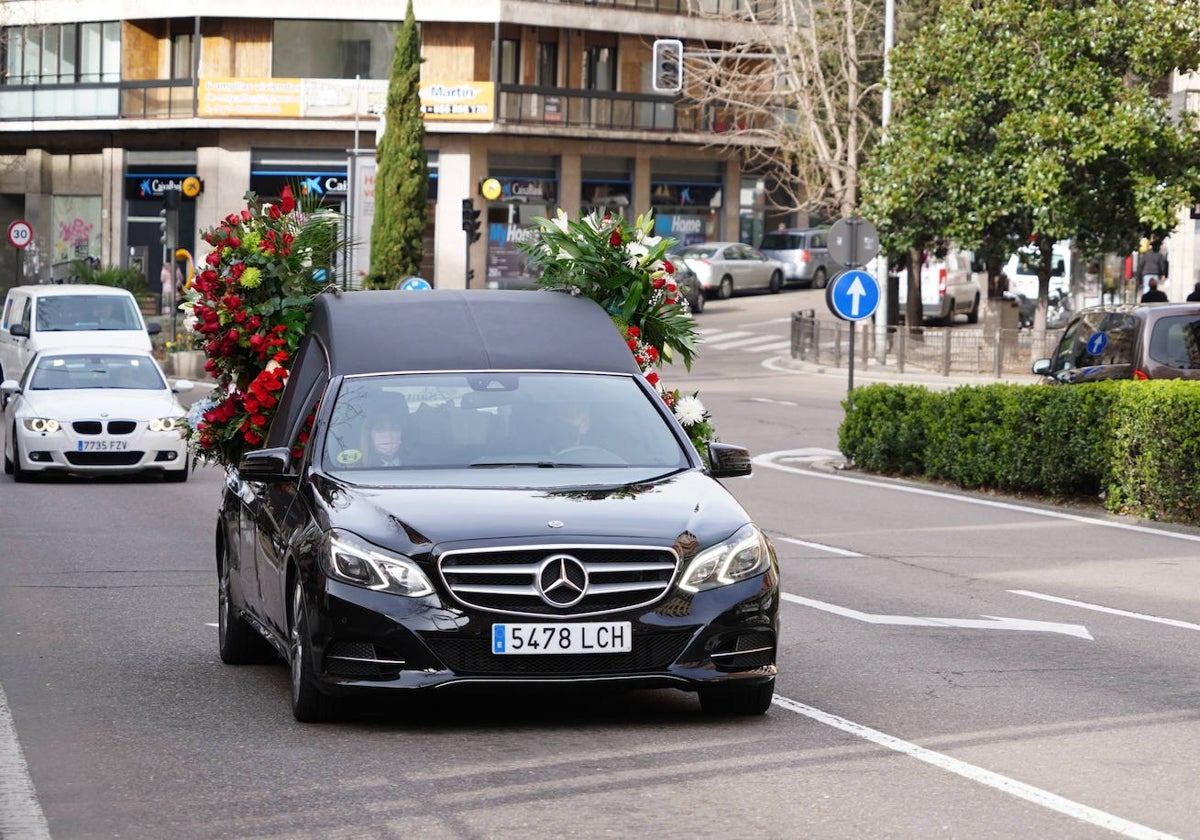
x=1171, y=622
x=20, y=813
x=772, y=402
x=743, y=343
x=768, y=460
x=971, y=772
x=785, y=320
x=821, y=547
x=720, y=335
x=211, y=624
x=987, y=622
x=767, y=348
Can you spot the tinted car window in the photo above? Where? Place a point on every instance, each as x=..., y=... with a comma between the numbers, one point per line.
x=782, y=242
x=697, y=252
x=1176, y=341
x=482, y=420
x=69, y=313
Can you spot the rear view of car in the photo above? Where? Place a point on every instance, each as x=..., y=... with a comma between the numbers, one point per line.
x=804, y=254
x=1154, y=341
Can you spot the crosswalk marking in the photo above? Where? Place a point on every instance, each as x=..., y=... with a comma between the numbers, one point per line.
x=748, y=342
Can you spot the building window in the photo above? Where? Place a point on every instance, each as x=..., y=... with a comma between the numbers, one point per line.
x=356, y=59
x=600, y=68
x=62, y=54
x=181, y=55
x=332, y=49
x=547, y=64
x=510, y=61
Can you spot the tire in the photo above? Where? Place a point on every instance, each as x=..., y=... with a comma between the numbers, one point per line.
x=698, y=304
x=820, y=279
x=178, y=476
x=973, y=315
x=309, y=704
x=776, y=282
x=8, y=464
x=725, y=290
x=18, y=473
x=740, y=700
x=237, y=641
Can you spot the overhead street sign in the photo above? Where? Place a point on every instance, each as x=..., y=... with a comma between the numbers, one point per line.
x=852, y=295
x=414, y=284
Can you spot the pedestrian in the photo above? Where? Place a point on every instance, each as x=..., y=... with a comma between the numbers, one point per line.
x=1194, y=294
x=171, y=279
x=1153, y=293
x=1152, y=265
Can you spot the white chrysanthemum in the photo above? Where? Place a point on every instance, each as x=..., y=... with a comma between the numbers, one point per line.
x=689, y=411
x=560, y=220
x=564, y=254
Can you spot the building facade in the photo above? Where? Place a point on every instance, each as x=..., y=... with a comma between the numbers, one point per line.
x=122, y=139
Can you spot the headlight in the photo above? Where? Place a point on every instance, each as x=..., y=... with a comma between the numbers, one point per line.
x=165, y=424
x=743, y=555
x=41, y=424
x=350, y=559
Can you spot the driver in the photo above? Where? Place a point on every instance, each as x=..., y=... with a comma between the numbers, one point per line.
x=571, y=421
x=385, y=435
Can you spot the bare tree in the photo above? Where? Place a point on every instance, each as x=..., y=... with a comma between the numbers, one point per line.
x=801, y=102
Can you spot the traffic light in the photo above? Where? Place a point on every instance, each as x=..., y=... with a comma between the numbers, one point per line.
x=470, y=219
x=668, y=65
x=162, y=226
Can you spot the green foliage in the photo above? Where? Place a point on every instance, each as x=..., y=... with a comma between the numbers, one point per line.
x=401, y=179
x=886, y=426
x=1045, y=126
x=1132, y=443
x=1156, y=451
x=110, y=275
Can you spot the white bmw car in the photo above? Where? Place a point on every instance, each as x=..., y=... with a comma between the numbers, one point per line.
x=95, y=412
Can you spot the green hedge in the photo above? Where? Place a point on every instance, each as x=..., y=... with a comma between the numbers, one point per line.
x=1134, y=443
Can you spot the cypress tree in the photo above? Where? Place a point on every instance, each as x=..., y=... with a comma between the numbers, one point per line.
x=401, y=177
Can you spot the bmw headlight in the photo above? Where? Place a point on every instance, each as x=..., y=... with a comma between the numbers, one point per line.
x=743, y=555
x=348, y=558
x=42, y=425
x=166, y=424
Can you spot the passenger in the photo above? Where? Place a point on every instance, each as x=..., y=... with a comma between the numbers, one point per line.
x=385, y=436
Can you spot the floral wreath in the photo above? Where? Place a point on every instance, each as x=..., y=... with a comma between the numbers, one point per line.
x=248, y=309
x=624, y=268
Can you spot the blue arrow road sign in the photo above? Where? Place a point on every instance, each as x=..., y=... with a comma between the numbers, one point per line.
x=852, y=295
x=413, y=284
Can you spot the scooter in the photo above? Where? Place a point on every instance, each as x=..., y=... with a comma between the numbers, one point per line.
x=1058, y=309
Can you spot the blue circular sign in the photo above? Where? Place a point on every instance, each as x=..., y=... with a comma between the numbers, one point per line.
x=852, y=295
x=414, y=284
x=1097, y=343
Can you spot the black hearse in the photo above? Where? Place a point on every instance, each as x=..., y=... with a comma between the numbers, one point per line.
x=548, y=519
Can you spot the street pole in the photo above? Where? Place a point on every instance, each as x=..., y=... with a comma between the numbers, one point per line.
x=889, y=36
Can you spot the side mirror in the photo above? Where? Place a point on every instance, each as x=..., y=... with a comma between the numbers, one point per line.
x=266, y=465
x=183, y=385
x=18, y=331
x=1042, y=367
x=153, y=328
x=8, y=388
x=728, y=461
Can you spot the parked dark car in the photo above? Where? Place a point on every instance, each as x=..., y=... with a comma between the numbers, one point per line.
x=1142, y=341
x=549, y=522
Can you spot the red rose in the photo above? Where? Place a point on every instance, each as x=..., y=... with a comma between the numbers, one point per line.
x=246, y=216
x=615, y=239
x=652, y=378
x=286, y=200
x=252, y=437
x=670, y=269
x=273, y=212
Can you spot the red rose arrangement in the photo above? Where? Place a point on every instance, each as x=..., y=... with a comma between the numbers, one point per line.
x=248, y=309
x=624, y=268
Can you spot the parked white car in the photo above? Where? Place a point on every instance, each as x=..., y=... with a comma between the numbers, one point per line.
x=950, y=285
x=724, y=269
x=93, y=411
x=70, y=315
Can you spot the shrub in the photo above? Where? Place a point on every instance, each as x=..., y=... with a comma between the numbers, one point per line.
x=886, y=427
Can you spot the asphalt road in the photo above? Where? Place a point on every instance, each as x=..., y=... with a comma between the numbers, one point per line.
x=953, y=665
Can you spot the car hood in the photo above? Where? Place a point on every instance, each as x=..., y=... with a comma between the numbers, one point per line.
x=69, y=339
x=413, y=519
x=96, y=402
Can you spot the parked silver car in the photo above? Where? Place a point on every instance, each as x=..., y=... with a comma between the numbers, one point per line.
x=804, y=253
x=723, y=269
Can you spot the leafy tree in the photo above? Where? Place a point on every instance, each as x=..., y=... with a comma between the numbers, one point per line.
x=401, y=179
x=1044, y=125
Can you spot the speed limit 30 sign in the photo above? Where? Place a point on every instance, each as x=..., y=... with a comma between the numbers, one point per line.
x=20, y=233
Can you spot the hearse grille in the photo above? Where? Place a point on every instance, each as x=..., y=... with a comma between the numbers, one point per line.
x=474, y=657
x=566, y=580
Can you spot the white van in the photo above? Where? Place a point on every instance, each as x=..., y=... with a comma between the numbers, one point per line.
x=949, y=285
x=71, y=315
x=1021, y=270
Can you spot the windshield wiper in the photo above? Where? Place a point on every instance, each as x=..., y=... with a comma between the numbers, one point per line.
x=538, y=464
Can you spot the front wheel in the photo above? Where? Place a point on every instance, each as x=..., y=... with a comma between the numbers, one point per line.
x=819, y=279
x=738, y=700
x=178, y=475
x=973, y=315
x=725, y=291
x=309, y=703
x=18, y=472
x=698, y=304
x=776, y=282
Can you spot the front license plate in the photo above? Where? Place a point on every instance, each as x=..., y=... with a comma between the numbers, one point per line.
x=588, y=637
x=102, y=445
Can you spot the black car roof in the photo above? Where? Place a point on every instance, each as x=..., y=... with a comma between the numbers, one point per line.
x=475, y=329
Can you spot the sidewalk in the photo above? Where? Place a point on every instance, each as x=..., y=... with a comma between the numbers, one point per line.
x=873, y=371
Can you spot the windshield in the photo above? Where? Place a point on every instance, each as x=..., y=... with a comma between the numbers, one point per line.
x=782, y=242
x=489, y=421
x=69, y=313
x=63, y=372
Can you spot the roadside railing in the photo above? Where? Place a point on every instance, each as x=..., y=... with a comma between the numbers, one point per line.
x=940, y=350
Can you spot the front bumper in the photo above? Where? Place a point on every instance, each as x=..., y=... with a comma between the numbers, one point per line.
x=365, y=641
x=66, y=452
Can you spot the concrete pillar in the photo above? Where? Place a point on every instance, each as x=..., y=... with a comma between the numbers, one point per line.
x=458, y=173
